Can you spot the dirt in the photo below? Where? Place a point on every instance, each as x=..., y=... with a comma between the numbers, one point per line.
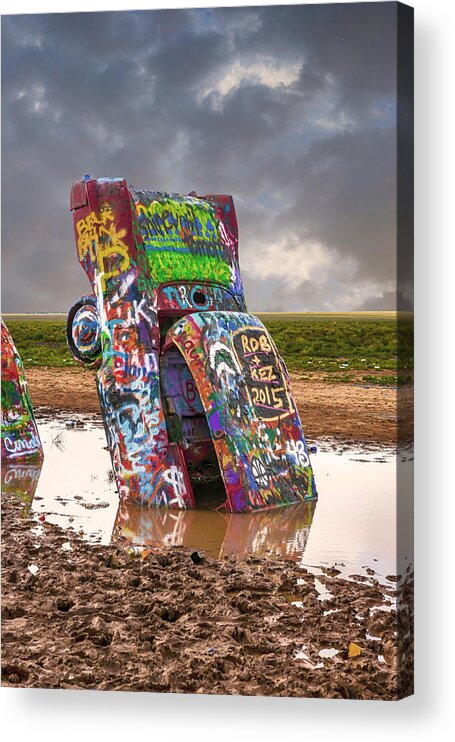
x=352, y=412
x=176, y=621
x=72, y=389
x=171, y=620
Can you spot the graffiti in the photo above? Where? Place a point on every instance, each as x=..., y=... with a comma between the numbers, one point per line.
x=19, y=447
x=296, y=450
x=85, y=332
x=20, y=437
x=198, y=297
x=184, y=226
x=253, y=421
x=222, y=360
x=267, y=389
x=174, y=477
x=259, y=472
x=187, y=238
x=87, y=240
x=195, y=399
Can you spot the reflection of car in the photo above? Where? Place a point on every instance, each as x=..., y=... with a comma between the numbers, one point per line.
x=195, y=398
x=282, y=532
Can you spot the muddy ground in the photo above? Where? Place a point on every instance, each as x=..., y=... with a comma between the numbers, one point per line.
x=96, y=617
x=352, y=412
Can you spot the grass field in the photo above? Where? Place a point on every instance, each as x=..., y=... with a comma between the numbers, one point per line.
x=340, y=346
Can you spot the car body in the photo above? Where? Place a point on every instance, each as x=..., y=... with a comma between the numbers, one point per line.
x=195, y=398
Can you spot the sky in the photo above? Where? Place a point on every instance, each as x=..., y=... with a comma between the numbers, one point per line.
x=291, y=109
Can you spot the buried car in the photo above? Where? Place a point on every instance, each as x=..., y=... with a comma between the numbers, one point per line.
x=195, y=398
x=20, y=436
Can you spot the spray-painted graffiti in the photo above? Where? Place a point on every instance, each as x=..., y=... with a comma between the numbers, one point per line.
x=254, y=424
x=183, y=235
x=267, y=388
x=195, y=399
x=20, y=437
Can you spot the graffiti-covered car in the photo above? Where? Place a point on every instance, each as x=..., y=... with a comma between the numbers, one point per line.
x=20, y=436
x=195, y=398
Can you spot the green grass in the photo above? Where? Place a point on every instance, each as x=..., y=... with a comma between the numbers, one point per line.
x=41, y=343
x=335, y=344
x=338, y=378
x=343, y=345
x=387, y=380
x=333, y=316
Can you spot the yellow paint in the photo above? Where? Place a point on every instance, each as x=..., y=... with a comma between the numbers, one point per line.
x=99, y=237
x=87, y=236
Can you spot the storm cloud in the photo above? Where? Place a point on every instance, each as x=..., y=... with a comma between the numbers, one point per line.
x=291, y=109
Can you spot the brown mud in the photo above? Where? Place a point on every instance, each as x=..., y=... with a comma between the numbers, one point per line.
x=168, y=621
x=355, y=413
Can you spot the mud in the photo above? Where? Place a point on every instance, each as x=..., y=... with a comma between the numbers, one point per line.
x=354, y=413
x=80, y=616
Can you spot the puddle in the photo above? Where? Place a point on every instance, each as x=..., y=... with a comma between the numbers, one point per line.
x=323, y=593
x=353, y=524
x=76, y=488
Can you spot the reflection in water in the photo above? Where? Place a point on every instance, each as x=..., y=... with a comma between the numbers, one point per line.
x=21, y=479
x=353, y=526
x=282, y=532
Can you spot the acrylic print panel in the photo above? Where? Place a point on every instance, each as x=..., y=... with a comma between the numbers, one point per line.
x=220, y=402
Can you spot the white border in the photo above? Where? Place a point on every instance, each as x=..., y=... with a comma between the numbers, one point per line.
x=80, y=715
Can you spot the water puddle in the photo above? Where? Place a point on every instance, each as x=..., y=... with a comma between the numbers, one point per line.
x=352, y=526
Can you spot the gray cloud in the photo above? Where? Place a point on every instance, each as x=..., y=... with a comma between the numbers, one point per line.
x=289, y=108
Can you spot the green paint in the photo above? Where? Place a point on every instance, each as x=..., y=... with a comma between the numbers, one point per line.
x=10, y=394
x=172, y=266
x=176, y=225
